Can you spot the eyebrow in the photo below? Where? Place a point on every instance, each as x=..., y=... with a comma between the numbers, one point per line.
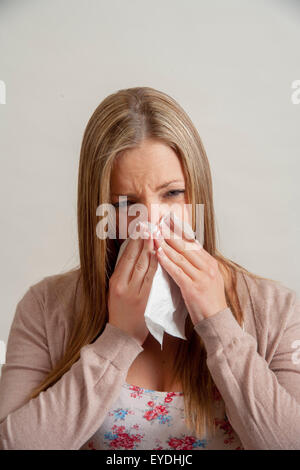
x=159, y=187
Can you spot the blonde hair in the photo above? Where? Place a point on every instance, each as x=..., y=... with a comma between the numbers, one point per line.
x=121, y=122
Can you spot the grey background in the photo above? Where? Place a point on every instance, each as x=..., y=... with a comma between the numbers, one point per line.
x=229, y=64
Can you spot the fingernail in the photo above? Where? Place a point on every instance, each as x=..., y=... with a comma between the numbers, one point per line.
x=166, y=219
x=157, y=234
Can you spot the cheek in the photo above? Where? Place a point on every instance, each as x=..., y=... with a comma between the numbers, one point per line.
x=121, y=225
x=124, y=224
x=184, y=212
x=187, y=214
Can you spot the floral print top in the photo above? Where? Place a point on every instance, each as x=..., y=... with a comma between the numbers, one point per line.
x=143, y=419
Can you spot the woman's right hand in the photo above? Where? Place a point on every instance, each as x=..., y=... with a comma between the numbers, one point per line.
x=129, y=287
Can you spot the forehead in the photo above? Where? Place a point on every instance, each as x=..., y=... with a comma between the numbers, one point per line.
x=151, y=162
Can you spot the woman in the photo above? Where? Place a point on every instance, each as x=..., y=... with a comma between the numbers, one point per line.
x=82, y=370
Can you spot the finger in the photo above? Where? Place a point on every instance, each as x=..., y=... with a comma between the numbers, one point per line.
x=178, y=260
x=148, y=278
x=176, y=229
x=175, y=238
x=173, y=235
x=172, y=246
x=175, y=271
x=128, y=259
x=179, y=226
x=141, y=265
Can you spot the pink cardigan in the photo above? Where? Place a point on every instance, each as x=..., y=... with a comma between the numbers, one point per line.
x=257, y=371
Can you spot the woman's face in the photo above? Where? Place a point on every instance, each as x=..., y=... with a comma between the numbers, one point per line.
x=148, y=175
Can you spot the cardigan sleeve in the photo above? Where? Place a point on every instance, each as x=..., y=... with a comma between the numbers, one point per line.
x=70, y=411
x=262, y=400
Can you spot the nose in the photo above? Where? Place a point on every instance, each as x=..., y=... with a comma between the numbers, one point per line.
x=153, y=212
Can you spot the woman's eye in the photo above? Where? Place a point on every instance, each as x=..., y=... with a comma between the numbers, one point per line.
x=121, y=204
x=175, y=192
x=172, y=193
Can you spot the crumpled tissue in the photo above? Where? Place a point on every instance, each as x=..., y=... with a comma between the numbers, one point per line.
x=165, y=310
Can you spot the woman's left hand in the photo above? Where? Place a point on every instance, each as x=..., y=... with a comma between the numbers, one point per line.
x=196, y=273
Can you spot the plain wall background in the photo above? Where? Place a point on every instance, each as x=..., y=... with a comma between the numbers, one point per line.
x=229, y=64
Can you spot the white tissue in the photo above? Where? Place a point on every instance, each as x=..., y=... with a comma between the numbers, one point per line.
x=165, y=310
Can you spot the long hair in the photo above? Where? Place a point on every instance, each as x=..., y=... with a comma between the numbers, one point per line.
x=121, y=122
